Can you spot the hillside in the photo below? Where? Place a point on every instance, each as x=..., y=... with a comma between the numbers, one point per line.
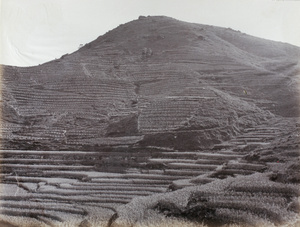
x=142, y=71
x=155, y=101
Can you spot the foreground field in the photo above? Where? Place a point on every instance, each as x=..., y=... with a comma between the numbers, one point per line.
x=224, y=184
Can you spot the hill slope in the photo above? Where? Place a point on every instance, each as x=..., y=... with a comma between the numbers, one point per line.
x=158, y=75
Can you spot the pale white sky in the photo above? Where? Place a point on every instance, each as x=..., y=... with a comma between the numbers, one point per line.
x=36, y=31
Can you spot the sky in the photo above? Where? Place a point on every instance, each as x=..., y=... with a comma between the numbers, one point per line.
x=36, y=31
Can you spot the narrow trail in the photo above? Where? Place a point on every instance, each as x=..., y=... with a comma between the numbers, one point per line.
x=85, y=70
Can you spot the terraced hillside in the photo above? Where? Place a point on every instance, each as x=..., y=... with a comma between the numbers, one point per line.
x=152, y=106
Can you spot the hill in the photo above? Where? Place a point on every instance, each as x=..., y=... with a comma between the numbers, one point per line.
x=156, y=102
x=158, y=75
